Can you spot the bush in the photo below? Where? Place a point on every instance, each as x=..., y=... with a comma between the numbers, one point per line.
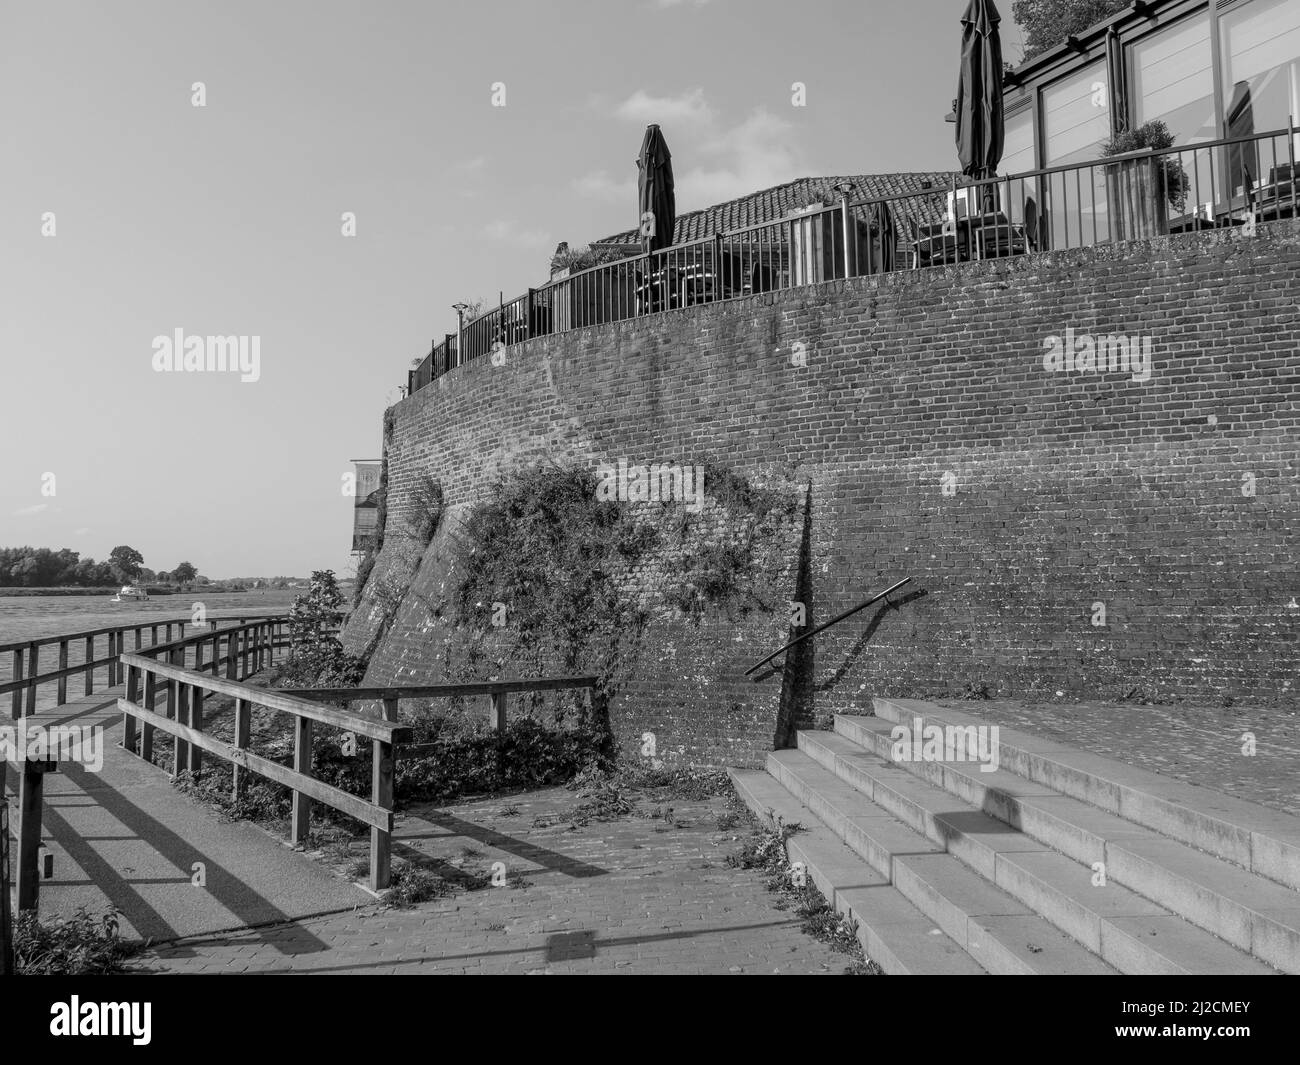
x=81, y=945
x=316, y=658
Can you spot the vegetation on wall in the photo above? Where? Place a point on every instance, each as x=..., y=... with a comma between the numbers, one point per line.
x=558, y=579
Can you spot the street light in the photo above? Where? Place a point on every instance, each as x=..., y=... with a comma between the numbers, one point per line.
x=460, y=309
x=844, y=188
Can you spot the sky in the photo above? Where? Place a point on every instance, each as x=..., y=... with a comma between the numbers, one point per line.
x=128, y=213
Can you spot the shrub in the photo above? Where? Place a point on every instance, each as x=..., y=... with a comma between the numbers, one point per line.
x=81, y=945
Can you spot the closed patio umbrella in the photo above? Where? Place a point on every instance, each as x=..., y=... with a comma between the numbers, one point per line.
x=655, y=190
x=980, y=126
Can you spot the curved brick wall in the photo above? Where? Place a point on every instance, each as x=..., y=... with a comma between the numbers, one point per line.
x=938, y=446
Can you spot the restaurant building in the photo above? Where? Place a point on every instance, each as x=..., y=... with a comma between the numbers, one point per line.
x=1209, y=69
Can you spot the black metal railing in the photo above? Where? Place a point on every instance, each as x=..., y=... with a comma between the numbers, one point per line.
x=1230, y=182
x=827, y=624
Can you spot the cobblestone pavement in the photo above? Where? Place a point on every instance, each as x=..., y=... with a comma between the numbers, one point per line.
x=640, y=894
x=1199, y=744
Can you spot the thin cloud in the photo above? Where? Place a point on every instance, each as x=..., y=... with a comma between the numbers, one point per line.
x=600, y=185
x=508, y=232
x=758, y=153
x=27, y=512
x=689, y=108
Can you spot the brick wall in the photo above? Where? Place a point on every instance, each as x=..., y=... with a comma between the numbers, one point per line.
x=1020, y=501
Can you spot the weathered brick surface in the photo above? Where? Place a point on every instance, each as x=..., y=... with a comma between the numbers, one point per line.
x=1068, y=489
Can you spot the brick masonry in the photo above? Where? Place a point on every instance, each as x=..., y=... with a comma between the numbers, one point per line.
x=939, y=447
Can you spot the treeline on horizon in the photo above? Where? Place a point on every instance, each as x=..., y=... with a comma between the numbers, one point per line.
x=43, y=567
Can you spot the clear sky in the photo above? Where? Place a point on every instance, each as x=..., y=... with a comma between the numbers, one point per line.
x=226, y=219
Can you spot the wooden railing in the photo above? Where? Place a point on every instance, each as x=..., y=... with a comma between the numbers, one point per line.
x=497, y=690
x=149, y=677
x=27, y=653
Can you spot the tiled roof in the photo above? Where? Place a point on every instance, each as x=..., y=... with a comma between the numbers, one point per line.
x=774, y=203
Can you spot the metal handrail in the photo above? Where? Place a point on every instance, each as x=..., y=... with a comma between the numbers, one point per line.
x=827, y=624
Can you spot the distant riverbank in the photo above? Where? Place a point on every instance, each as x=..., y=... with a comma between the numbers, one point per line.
x=29, y=617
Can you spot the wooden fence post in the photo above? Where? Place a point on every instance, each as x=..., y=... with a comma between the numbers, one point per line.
x=16, y=710
x=33, y=657
x=31, y=786
x=239, y=778
x=181, y=749
x=499, y=712
x=301, y=763
x=63, y=664
x=195, y=721
x=128, y=719
x=151, y=701
x=381, y=839
x=6, y=924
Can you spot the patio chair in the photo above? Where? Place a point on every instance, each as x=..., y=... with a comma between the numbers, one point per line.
x=1031, y=224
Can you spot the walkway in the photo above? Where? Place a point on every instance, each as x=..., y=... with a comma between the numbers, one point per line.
x=642, y=894
x=126, y=838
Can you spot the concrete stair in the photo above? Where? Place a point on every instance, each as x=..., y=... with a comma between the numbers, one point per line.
x=1003, y=863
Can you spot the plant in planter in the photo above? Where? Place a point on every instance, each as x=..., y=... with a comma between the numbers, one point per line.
x=1141, y=190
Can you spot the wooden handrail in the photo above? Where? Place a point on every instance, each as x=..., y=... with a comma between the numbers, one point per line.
x=434, y=691
x=186, y=690
x=41, y=641
x=391, y=695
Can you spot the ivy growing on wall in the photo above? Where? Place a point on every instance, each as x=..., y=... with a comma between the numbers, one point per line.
x=559, y=580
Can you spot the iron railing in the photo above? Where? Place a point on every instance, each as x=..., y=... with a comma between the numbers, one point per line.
x=1228, y=182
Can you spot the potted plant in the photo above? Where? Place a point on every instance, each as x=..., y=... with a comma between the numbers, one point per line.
x=1141, y=190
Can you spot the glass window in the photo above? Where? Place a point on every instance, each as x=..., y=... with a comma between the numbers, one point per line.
x=1076, y=116
x=1018, y=143
x=1171, y=78
x=1261, y=80
x=1076, y=124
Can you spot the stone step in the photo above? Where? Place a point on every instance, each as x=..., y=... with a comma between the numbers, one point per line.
x=1255, y=837
x=1126, y=925
x=893, y=932
x=1001, y=933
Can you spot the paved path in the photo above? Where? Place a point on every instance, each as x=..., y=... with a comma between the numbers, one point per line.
x=124, y=837
x=642, y=894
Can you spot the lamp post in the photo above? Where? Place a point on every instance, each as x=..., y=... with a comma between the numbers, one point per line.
x=844, y=188
x=460, y=309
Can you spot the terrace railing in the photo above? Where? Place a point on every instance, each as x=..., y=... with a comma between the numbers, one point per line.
x=1230, y=182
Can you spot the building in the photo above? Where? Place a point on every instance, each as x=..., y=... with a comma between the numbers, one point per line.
x=1209, y=69
x=365, y=510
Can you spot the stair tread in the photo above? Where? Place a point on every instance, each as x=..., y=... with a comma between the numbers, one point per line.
x=1207, y=871
x=897, y=936
x=1014, y=861
x=1243, y=812
x=970, y=905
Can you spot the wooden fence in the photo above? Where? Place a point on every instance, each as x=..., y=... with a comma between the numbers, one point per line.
x=183, y=690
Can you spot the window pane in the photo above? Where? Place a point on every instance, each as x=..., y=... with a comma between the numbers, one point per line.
x=1076, y=123
x=1172, y=79
x=1018, y=143
x=1261, y=79
x=1076, y=116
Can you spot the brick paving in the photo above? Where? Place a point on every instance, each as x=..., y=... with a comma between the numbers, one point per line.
x=643, y=894
x=1199, y=744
